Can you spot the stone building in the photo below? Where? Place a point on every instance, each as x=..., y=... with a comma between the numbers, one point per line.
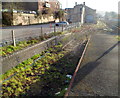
x=81, y=13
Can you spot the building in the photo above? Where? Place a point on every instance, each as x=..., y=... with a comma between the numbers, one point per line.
x=25, y=13
x=81, y=13
x=49, y=6
x=33, y=6
x=54, y=5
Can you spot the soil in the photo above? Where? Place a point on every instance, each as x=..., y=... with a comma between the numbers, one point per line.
x=49, y=85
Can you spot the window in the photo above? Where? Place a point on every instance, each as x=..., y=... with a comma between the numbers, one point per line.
x=80, y=9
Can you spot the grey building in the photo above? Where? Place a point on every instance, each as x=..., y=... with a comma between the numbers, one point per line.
x=81, y=13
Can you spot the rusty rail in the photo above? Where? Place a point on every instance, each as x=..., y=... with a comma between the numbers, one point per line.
x=77, y=68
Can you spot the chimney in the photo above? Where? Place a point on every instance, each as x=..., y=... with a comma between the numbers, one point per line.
x=75, y=3
x=83, y=3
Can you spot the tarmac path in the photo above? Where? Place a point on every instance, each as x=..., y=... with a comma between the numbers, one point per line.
x=98, y=74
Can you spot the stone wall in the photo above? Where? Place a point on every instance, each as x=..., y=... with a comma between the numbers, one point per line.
x=26, y=19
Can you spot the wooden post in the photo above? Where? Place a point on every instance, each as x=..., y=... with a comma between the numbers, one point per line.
x=42, y=32
x=13, y=38
x=54, y=29
x=55, y=35
x=62, y=28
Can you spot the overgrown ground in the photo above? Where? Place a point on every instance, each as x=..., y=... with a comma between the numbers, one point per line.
x=47, y=76
x=10, y=49
x=50, y=74
x=118, y=37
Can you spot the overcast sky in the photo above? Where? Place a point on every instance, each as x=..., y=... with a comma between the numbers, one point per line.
x=100, y=5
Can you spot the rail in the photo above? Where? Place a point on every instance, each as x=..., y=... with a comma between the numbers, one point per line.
x=77, y=68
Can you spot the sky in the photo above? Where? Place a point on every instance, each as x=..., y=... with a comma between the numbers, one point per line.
x=99, y=5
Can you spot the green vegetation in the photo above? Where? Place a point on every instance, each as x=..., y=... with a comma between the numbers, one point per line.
x=42, y=75
x=6, y=50
x=59, y=14
x=118, y=37
x=45, y=76
x=7, y=17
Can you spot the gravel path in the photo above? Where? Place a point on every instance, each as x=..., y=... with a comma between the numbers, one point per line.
x=98, y=75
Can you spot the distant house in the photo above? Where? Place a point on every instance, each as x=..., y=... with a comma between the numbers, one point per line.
x=81, y=13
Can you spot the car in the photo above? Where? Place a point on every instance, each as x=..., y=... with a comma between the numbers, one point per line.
x=62, y=23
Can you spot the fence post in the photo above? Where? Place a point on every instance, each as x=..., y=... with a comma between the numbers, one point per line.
x=62, y=28
x=54, y=29
x=13, y=38
x=55, y=35
x=41, y=31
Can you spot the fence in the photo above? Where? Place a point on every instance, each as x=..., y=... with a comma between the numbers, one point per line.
x=17, y=57
x=15, y=35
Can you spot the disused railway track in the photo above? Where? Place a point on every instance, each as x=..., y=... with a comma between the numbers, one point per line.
x=86, y=42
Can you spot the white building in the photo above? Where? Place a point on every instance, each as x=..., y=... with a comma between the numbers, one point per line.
x=81, y=13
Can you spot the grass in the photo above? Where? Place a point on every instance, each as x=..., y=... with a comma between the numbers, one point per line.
x=6, y=50
x=118, y=37
x=10, y=49
x=27, y=76
x=47, y=76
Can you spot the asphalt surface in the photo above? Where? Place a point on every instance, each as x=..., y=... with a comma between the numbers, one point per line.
x=27, y=26
x=24, y=32
x=98, y=74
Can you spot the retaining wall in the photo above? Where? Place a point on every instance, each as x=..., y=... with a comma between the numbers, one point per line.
x=16, y=58
x=26, y=19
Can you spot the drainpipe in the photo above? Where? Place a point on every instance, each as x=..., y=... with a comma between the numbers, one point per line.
x=83, y=14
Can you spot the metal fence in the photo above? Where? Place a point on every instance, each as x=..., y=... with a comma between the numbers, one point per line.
x=20, y=34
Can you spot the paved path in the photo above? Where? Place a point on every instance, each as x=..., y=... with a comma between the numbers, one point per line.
x=98, y=75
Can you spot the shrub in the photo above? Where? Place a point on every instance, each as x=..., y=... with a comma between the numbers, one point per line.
x=7, y=18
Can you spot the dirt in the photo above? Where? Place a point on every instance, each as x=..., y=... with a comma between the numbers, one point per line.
x=48, y=86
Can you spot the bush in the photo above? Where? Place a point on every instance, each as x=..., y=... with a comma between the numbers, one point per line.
x=7, y=19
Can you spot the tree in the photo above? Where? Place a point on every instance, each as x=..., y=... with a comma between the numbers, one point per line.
x=59, y=14
x=7, y=17
x=47, y=11
x=110, y=15
x=13, y=5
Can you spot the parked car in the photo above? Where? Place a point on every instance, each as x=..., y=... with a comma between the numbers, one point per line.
x=64, y=23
